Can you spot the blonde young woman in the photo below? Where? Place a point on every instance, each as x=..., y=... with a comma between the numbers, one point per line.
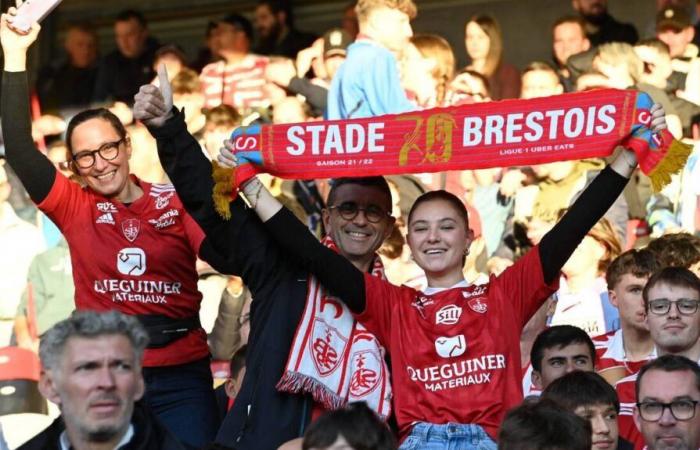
x=428, y=67
x=484, y=44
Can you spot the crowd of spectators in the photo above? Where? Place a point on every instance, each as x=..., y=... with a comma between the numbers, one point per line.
x=609, y=360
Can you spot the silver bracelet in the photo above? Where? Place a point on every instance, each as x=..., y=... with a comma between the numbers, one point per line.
x=253, y=197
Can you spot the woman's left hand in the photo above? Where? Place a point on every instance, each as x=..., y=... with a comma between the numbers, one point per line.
x=226, y=156
x=658, y=118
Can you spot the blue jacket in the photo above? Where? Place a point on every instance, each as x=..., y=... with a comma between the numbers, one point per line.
x=367, y=84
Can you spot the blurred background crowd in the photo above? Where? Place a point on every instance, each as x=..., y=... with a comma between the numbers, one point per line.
x=256, y=66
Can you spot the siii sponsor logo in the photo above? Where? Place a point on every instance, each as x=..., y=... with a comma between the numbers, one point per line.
x=106, y=207
x=106, y=218
x=131, y=261
x=165, y=220
x=131, y=228
x=448, y=315
x=451, y=347
x=162, y=201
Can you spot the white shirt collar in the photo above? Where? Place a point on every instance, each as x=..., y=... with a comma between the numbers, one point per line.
x=65, y=444
x=616, y=349
x=434, y=290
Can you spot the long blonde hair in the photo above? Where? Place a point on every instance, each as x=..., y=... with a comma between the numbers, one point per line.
x=490, y=26
x=437, y=48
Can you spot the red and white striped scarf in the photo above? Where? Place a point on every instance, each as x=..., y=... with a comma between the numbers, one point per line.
x=333, y=357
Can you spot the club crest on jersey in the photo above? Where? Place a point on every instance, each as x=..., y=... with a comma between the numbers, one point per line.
x=448, y=315
x=478, y=306
x=162, y=201
x=131, y=228
x=451, y=347
x=327, y=347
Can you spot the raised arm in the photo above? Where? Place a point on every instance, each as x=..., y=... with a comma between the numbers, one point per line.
x=334, y=271
x=34, y=170
x=239, y=246
x=557, y=246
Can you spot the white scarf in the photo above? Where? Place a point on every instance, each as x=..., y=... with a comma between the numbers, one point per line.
x=333, y=357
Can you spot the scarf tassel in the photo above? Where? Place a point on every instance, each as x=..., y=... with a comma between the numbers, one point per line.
x=295, y=382
x=672, y=163
x=224, y=189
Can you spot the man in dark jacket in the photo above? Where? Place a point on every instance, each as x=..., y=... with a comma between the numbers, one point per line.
x=130, y=65
x=601, y=27
x=358, y=219
x=91, y=368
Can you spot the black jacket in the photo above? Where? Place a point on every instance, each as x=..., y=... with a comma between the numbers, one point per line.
x=149, y=434
x=119, y=78
x=261, y=418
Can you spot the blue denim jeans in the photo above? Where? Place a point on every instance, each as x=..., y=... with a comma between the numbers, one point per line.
x=451, y=436
x=182, y=397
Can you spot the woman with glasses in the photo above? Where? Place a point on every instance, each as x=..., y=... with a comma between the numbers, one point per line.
x=133, y=246
x=454, y=347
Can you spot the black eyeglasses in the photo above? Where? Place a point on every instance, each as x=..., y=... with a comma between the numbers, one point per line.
x=107, y=151
x=685, y=306
x=680, y=409
x=349, y=210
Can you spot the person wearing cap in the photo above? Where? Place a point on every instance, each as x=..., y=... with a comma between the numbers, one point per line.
x=238, y=79
x=675, y=29
x=330, y=51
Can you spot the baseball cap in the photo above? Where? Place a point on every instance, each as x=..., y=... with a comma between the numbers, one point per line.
x=672, y=18
x=336, y=42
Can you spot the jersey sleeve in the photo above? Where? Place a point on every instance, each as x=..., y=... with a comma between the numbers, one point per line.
x=382, y=299
x=523, y=287
x=63, y=202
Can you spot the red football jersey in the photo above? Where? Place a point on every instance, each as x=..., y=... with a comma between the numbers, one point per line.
x=137, y=259
x=455, y=354
x=610, y=354
x=625, y=421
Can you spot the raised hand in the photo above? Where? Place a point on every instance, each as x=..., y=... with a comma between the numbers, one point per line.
x=153, y=105
x=658, y=118
x=14, y=42
x=226, y=157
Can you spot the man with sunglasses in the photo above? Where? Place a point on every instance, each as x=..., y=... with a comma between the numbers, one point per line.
x=667, y=412
x=357, y=220
x=671, y=300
